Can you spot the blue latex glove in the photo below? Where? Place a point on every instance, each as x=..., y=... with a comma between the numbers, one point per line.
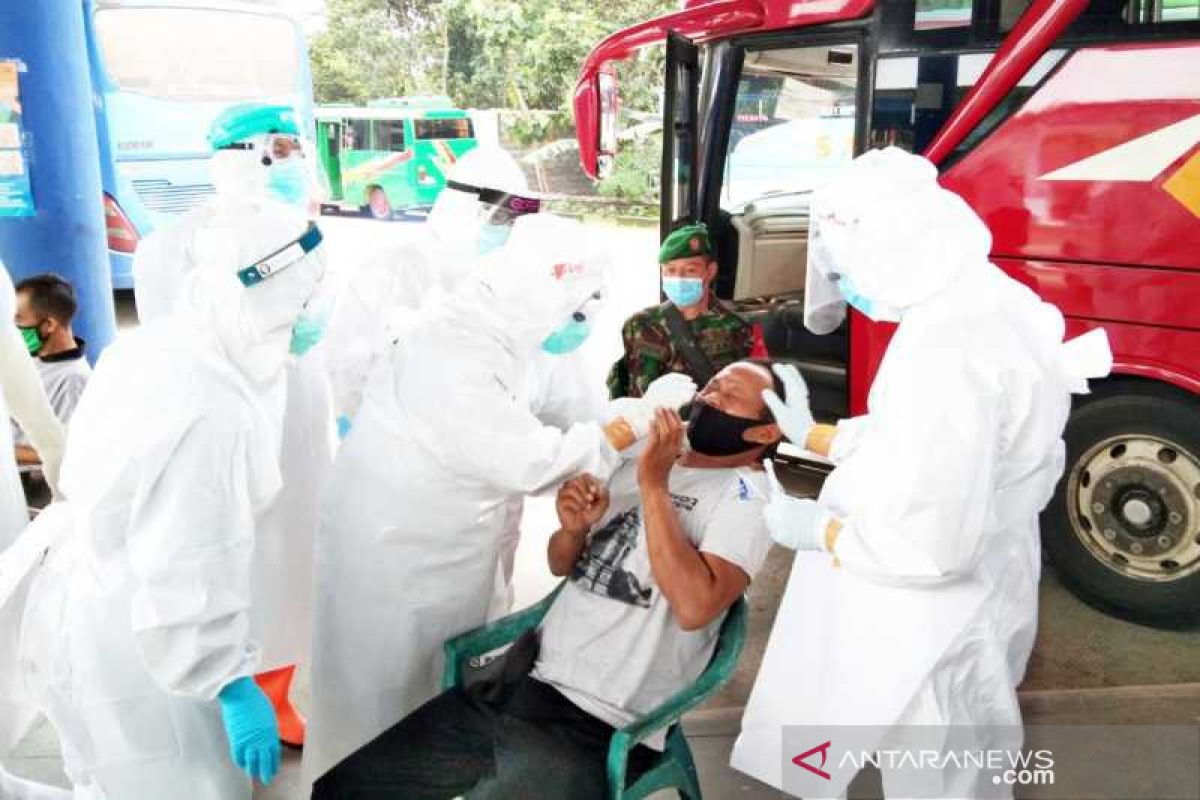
x=794, y=522
x=251, y=727
x=343, y=426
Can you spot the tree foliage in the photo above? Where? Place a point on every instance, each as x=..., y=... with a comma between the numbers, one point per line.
x=522, y=54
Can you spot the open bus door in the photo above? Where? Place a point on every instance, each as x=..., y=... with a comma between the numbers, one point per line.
x=681, y=151
x=329, y=146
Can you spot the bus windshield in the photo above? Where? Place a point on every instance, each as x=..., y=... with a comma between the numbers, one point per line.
x=793, y=121
x=174, y=57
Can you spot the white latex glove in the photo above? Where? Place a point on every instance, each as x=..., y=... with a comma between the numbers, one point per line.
x=26, y=399
x=794, y=522
x=668, y=391
x=793, y=416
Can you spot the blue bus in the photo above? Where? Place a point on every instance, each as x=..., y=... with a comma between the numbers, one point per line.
x=161, y=71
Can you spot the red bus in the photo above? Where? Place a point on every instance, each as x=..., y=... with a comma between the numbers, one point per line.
x=1072, y=127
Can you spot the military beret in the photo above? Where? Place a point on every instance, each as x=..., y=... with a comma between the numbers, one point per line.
x=685, y=242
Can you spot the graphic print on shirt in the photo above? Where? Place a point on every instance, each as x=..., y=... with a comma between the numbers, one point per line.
x=600, y=568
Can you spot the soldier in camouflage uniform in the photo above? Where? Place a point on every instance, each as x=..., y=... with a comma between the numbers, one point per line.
x=651, y=347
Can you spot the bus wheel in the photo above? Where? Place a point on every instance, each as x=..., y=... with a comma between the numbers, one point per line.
x=377, y=203
x=1123, y=529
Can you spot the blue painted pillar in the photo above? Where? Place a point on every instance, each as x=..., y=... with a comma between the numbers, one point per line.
x=66, y=233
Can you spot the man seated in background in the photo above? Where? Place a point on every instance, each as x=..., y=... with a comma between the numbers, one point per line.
x=693, y=332
x=654, y=560
x=45, y=307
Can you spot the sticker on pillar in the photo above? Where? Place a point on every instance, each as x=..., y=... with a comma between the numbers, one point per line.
x=16, y=199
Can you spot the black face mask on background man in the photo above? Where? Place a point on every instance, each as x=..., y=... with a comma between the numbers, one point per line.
x=712, y=432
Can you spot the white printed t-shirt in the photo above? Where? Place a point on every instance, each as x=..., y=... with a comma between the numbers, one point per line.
x=609, y=642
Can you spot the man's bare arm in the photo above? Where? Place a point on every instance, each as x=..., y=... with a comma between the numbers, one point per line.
x=26, y=455
x=698, y=586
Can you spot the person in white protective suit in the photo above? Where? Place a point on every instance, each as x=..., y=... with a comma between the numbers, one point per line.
x=22, y=397
x=485, y=191
x=423, y=485
x=138, y=634
x=932, y=509
x=282, y=619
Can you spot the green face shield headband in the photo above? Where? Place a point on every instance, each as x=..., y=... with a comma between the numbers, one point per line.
x=282, y=258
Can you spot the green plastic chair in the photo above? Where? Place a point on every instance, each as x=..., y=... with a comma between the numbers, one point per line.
x=676, y=769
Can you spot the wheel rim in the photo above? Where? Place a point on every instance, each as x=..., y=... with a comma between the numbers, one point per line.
x=1135, y=505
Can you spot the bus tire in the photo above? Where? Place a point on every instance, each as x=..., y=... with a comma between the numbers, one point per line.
x=1123, y=528
x=378, y=205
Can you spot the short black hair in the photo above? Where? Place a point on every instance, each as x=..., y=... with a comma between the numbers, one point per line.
x=776, y=384
x=50, y=295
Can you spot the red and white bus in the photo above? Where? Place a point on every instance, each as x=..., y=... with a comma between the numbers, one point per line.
x=1072, y=127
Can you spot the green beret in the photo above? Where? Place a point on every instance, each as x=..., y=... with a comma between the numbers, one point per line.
x=685, y=242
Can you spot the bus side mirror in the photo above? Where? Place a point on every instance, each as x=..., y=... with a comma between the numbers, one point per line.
x=610, y=106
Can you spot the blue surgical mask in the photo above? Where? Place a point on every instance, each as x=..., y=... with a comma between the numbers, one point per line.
x=683, y=292
x=491, y=237
x=853, y=297
x=288, y=182
x=569, y=335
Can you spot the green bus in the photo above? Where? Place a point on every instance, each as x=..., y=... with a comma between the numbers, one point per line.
x=391, y=156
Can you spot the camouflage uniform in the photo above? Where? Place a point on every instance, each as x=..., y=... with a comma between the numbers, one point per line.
x=650, y=350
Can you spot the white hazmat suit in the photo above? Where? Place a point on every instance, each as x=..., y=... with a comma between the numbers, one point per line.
x=931, y=616
x=282, y=619
x=423, y=486
x=141, y=613
x=377, y=296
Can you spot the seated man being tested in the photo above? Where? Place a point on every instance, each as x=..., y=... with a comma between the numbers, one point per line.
x=654, y=560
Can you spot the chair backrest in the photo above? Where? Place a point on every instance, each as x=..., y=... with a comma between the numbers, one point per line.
x=730, y=641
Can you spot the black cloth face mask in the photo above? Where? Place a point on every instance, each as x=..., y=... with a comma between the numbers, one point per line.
x=712, y=432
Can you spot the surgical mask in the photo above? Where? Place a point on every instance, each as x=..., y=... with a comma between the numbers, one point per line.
x=569, y=336
x=492, y=237
x=683, y=292
x=288, y=181
x=712, y=432
x=306, y=332
x=33, y=339
x=854, y=297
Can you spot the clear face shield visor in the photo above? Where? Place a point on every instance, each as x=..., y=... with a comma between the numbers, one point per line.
x=495, y=212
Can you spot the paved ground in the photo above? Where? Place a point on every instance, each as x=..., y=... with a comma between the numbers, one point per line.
x=1082, y=669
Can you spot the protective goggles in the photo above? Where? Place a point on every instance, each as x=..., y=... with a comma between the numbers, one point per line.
x=502, y=208
x=274, y=147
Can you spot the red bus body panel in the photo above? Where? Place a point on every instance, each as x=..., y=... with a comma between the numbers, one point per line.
x=1091, y=188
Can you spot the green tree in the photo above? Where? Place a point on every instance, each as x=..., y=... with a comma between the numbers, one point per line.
x=522, y=54
x=371, y=49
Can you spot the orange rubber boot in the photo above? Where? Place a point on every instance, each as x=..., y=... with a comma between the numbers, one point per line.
x=276, y=685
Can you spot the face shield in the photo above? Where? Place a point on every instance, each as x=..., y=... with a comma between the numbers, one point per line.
x=494, y=212
x=287, y=169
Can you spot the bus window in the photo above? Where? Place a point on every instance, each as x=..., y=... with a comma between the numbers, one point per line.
x=937, y=14
x=389, y=135
x=357, y=135
x=460, y=128
x=793, y=121
x=174, y=53
x=915, y=95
